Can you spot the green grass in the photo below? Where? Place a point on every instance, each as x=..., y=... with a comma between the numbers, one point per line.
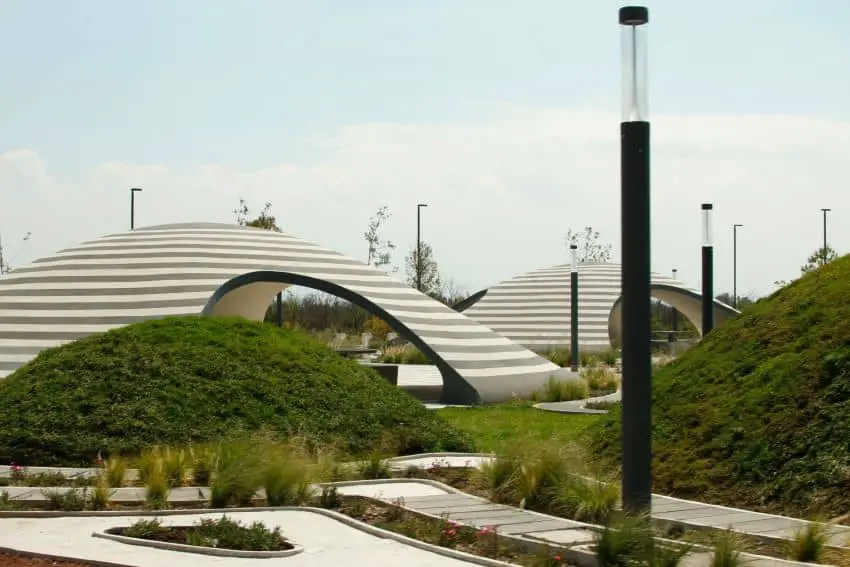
x=758, y=413
x=186, y=380
x=498, y=428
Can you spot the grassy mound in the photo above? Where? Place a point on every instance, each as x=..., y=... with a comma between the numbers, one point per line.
x=192, y=379
x=758, y=414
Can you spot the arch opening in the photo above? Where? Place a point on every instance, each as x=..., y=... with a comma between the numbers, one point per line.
x=249, y=295
x=686, y=302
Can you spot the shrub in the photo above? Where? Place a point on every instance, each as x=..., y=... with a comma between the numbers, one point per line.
x=181, y=381
x=625, y=542
x=100, y=494
x=115, y=470
x=285, y=480
x=563, y=390
x=73, y=500
x=726, y=552
x=156, y=487
x=406, y=354
x=145, y=529
x=174, y=466
x=498, y=476
x=561, y=357
x=237, y=475
x=202, y=462
x=809, y=543
x=229, y=534
x=586, y=500
x=600, y=378
x=374, y=467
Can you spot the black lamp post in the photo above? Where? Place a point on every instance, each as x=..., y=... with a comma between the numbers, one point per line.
x=419, y=247
x=707, y=271
x=133, y=192
x=735, y=228
x=824, y=236
x=574, y=308
x=635, y=214
x=673, y=309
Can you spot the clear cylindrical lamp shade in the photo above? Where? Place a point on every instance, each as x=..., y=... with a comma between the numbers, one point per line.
x=574, y=257
x=633, y=25
x=706, y=224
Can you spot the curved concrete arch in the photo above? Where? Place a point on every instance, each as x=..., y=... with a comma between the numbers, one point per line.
x=533, y=309
x=158, y=271
x=247, y=296
x=685, y=301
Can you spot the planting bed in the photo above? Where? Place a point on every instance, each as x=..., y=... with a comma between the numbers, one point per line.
x=484, y=542
x=15, y=560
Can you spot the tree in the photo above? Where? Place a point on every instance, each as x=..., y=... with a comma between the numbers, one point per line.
x=380, y=250
x=266, y=220
x=589, y=247
x=743, y=300
x=430, y=273
x=819, y=258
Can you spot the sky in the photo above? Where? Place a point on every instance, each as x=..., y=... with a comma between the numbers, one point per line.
x=502, y=116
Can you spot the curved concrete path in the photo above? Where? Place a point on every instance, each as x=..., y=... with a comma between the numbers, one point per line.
x=326, y=542
x=579, y=406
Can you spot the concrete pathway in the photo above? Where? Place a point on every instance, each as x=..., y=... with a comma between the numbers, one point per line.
x=667, y=508
x=579, y=406
x=686, y=512
x=326, y=542
x=508, y=520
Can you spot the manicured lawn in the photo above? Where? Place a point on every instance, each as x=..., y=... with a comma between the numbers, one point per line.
x=493, y=428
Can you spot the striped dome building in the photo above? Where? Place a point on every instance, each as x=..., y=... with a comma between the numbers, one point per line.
x=534, y=309
x=222, y=269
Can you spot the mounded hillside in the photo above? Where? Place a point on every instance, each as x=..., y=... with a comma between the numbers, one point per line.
x=758, y=414
x=193, y=379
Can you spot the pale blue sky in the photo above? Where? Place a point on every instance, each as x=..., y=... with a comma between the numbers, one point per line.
x=255, y=84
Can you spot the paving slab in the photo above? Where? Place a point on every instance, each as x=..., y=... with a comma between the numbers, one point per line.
x=770, y=524
x=565, y=536
x=722, y=520
x=392, y=490
x=691, y=514
x=537, y=525
x=478, y=517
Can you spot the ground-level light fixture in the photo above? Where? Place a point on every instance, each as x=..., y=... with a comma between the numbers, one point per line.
x=635, y=231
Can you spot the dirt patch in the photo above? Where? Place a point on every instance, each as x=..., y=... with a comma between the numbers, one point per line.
x=13, y=560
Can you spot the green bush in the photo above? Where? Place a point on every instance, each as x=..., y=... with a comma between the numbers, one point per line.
x=185, y=380
x=809, y=543
x=758, y=413
x=562, y=390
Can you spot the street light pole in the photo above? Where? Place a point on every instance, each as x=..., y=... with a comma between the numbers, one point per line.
x=133, y=192
x=673, y=309
x=574, y=308
x=707, y=271
x=735, y=228
x=823, y=251
x=635, y=238
x=419, y=247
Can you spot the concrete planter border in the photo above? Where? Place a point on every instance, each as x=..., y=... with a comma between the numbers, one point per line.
x=200, y=550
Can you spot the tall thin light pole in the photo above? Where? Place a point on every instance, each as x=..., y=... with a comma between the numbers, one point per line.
x=133, y=192
x=707, y=271
x=823, y=251
x=419, y=246
x=735, y=228
x=635, y=215
x=574, y=308
x=673, y=309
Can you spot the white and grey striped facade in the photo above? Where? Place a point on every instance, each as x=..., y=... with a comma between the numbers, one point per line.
x=220, y=269
x=533, y=309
